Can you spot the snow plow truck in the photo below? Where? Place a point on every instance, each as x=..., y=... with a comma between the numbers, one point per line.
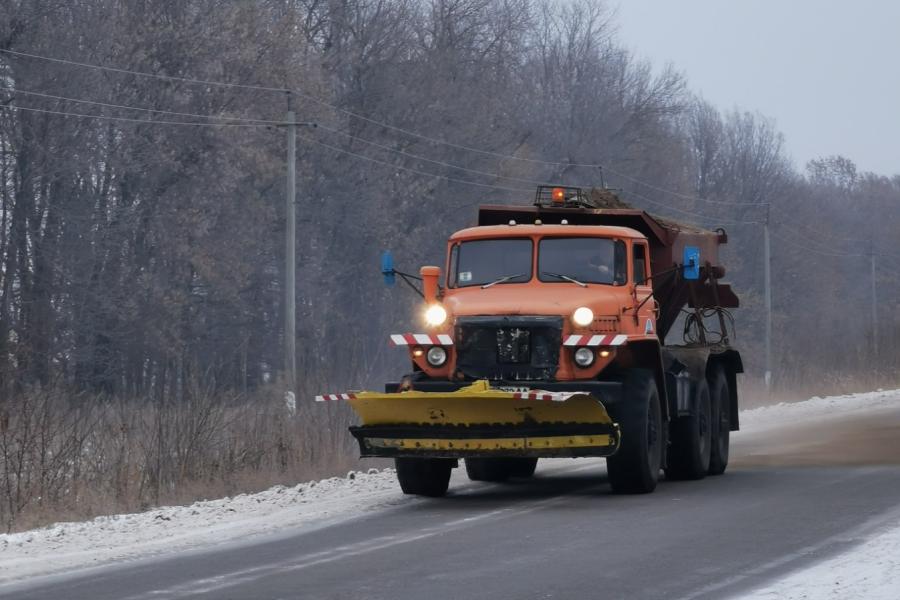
x=546, y=338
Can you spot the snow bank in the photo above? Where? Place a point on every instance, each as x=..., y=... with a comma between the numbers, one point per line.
x=870, y=571
x=830, y=407
x=66, y=546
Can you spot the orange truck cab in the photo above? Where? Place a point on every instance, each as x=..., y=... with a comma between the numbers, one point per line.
x=566, y=302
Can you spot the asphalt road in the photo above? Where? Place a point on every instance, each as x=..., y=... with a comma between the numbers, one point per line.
x=792, y=497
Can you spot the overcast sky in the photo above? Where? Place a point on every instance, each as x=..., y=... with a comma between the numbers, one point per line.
x=827, y=71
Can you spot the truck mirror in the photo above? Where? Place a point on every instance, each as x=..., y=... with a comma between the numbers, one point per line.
x=691, y=266
x=387, y=268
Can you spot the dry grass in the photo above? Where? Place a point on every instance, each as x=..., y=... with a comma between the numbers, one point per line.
x=70, y=456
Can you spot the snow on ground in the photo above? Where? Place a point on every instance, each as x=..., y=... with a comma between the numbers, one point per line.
x=870, y=571
x=790, y=413
x=69, y=546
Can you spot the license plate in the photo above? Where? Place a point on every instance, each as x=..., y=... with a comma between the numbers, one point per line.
x=513, y=388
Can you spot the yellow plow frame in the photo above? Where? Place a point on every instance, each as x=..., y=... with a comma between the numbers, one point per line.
x=479, y=420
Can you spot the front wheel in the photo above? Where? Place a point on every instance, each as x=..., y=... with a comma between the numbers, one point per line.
x=634, y=468
x=424, y=476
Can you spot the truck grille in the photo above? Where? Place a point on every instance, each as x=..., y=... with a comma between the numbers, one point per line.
x=514, y=348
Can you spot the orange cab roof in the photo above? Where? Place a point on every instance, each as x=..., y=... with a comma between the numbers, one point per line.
x=530, y=230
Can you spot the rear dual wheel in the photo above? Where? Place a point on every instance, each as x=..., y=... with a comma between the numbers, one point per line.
x=721, y=421
x=689, y=453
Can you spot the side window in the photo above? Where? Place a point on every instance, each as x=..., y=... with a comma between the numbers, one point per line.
x=640, y=264
x=451, y=270
x=620, y=261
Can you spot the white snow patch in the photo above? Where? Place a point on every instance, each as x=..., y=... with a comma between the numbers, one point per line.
x=786, y=414
x=68, y=546
x=870, y=571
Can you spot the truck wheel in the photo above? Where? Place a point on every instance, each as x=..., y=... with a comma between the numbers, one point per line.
x=689, y=453
x=424, y=476
x=720, y=398
x=634, y=468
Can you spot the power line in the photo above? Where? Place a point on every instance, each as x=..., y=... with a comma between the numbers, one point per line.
x=432, y=161
x=245, y=122
x=138, y=108
x=144, y=74
x=130, y=120
x=273, y=122
x=385, y=125
x=283, y=90
x=678, y=194
x=791, y=242
x=241, y=120
x=821, y=234
x=417, y=171
x=693, y=214
x=799, y=234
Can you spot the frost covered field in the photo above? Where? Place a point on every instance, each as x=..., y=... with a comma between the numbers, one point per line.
x=869, y=569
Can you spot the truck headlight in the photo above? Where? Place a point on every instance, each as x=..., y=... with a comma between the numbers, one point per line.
x=435, y=315
x=436, y=356
x=583, y=316
x=584, y=357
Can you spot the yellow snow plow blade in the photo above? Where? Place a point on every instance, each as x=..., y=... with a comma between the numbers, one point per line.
x=482, y=421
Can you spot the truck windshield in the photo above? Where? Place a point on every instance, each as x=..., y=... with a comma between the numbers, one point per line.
x=483, y=262
x=586, y=260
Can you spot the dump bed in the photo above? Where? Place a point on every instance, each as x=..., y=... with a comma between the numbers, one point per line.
x=667, y=242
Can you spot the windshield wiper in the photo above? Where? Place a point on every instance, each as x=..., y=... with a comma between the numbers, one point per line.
x=502, y=279
x=566, y=277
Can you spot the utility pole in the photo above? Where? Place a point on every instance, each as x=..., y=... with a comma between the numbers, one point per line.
x=290, y=255
x=768, y=284
x=874, y=306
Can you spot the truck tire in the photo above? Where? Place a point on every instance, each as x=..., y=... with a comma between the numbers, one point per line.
x=424, y=476
x=634, y=468
x=689, y=453
x=720, y=399
x=500, y=468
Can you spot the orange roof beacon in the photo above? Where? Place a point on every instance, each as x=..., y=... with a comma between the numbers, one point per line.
x=546, y=337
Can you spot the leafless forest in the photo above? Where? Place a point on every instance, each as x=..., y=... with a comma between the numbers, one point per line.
x=142, y=219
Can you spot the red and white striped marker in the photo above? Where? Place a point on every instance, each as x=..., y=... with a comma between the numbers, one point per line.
x=545, y=396
x=421, y=339
x=596, y=340
x=326, y=397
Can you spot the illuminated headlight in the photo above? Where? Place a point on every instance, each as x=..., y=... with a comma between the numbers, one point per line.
x=436, y=356
x=583, y=316
x=584, y=357
x=435, y=315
